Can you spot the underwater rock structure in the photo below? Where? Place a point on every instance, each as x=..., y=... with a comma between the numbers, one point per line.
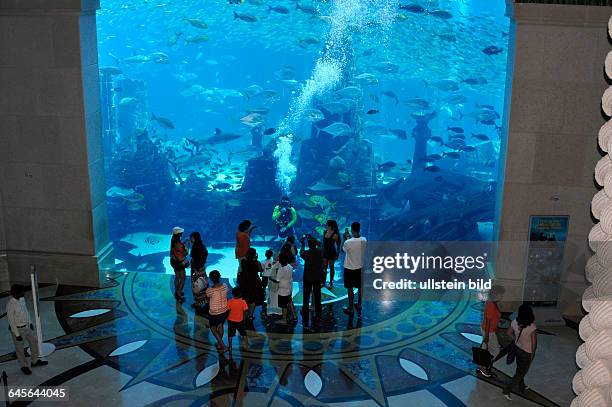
x=593, y=383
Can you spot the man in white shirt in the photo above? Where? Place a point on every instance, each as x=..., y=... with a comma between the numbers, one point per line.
x=21, y=328
x=354, y=247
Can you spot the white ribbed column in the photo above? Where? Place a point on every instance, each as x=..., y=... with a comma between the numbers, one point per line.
x=593, y=382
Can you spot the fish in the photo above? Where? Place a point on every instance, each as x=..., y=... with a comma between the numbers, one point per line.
x=260, y=110
x=333, y=108
x=222, y=185
x=468, y=149
x=321, y=201
x=197, y=23
x=221, y=137
x=253, y=119
x=436, y=139
x=433, y=157
x=454, y=155
x=387, y=67
x=446, y=85
x=252, y=91
x=456, y=99
x=308, y=9
x=279, y=9
x=291, y=83
x=173, y=38
x=366, y=79
x=399, y=133
x=118, y=192
x=321, y=218
x=432, y=168
x=372, y=111
x=313, y=115
x=492, y=50
x=163, y=122
x=442, y=14
x=269, y=131
x=306, y=214
x=412, y=8
x=337, y=129
x=386, y=166
x=306, y=41
x=457, y=136
x=197, y=39
x=136, y=59
x=127, y=101
x=350, y=92
x=456, y=129
x=159, y=58
x=482, y=137
x=475, y=81
x=487, y=107
x=390, y=94
x=417, y=103
x=135, y=207
x=374, y=129
x=245, y=17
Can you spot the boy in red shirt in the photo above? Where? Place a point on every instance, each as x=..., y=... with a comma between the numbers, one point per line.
x=235, y=320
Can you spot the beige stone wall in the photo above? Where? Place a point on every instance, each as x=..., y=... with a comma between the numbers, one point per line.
x=51, y=160
x=554, y=118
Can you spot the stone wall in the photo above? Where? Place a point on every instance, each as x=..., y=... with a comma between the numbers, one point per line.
x=554, y=115
x=51, y=161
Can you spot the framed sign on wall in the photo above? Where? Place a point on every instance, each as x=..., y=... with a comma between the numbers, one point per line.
x=546, y=246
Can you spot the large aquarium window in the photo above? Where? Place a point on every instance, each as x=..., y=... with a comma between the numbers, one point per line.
x=292, y=113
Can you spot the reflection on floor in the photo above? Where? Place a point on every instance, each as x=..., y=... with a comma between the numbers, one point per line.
x=130, y=344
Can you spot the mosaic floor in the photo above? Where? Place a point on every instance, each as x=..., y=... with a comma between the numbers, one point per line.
x=411, y=353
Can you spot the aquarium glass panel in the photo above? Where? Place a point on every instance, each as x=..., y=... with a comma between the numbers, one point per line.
x=291, y=113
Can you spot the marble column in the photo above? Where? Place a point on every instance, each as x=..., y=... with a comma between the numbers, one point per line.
x=593, y=383
x=52, y=189
x=552, y=114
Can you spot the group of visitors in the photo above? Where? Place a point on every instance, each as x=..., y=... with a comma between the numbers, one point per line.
x=523, y=341
x=268, y=283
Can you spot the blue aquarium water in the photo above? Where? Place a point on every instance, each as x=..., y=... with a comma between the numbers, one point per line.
x=375, y=111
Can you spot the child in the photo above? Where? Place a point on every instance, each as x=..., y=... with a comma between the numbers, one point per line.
x=266, y=266
x=235, y=321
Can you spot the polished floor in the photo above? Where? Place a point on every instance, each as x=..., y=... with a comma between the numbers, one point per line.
x=130, y=344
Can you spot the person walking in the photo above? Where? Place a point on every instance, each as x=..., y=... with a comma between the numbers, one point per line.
x=250, y=283
x=488, y=327
x=217, y=300
x=331, y=249
x=314, y=277
x=22, y=329
x=354, y=248
x=199, y=254
x=523, y=330
x=179, y=262
x=238, y=309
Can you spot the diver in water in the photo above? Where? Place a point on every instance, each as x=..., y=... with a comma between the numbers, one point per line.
x=285, y=217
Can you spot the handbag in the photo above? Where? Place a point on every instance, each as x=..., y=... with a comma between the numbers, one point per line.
x=481, y=356
x=512, y=349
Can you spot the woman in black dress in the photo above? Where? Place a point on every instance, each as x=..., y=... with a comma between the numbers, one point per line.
x=250, y=283
x=199, y=254
x=331, y=248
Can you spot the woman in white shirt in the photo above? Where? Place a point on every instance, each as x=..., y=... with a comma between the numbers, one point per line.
x=284, y=277
x=523, y=330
